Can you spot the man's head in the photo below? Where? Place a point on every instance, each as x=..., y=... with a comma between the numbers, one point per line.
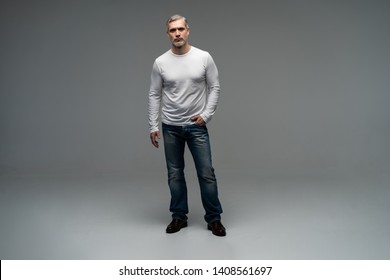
x=175, y=18
x=178, y=31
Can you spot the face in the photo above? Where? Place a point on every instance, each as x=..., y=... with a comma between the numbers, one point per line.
x=178, y=33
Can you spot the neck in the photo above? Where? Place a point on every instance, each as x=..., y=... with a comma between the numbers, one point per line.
x=181, y=50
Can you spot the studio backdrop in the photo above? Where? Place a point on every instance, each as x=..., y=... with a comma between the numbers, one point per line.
x=304, y=84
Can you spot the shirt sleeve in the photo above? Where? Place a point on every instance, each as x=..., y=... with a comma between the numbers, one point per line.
x=154, y=98
x=212, y=80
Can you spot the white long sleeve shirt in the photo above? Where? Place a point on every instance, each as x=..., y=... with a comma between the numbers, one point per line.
x=182, y=86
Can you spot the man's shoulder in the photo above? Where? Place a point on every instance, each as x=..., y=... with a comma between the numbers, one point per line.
x=199, y=51
x=164, y=56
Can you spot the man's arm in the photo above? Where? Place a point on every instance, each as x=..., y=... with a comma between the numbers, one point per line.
x=212, y=79
x=154, y=104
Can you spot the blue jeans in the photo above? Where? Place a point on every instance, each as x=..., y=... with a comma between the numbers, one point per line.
x=197, y=139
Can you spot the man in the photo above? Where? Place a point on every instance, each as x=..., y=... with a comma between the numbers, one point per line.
x=184, y=90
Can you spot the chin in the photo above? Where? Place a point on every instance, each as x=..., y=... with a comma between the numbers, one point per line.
x=179, y=44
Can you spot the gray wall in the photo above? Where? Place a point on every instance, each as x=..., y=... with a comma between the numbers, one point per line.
x=305, y=84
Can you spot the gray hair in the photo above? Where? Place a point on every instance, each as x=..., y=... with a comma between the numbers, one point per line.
x=177, y=17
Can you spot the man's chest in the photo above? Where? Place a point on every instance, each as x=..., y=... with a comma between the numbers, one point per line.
x=180, y=71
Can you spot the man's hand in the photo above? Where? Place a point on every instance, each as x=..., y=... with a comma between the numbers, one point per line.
x=153, y=137
x=198, y=120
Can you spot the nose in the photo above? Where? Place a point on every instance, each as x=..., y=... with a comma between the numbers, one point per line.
x=177, y=34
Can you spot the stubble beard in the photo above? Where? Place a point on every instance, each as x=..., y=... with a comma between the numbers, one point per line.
x=178, y=44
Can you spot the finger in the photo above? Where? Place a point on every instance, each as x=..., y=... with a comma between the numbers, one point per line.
x=155, y=143
x=153, y=140
x=158, y=137
x=199, y=120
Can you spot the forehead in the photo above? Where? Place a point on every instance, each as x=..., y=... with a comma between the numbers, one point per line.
x=177, y=24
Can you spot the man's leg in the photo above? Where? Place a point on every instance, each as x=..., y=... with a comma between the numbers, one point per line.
x=174, y=145
x=199, y=145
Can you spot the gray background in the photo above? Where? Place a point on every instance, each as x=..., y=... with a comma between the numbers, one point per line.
x=302, y=128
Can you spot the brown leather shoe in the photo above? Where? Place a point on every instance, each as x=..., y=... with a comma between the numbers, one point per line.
x=176, y=225
x=217, y=228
